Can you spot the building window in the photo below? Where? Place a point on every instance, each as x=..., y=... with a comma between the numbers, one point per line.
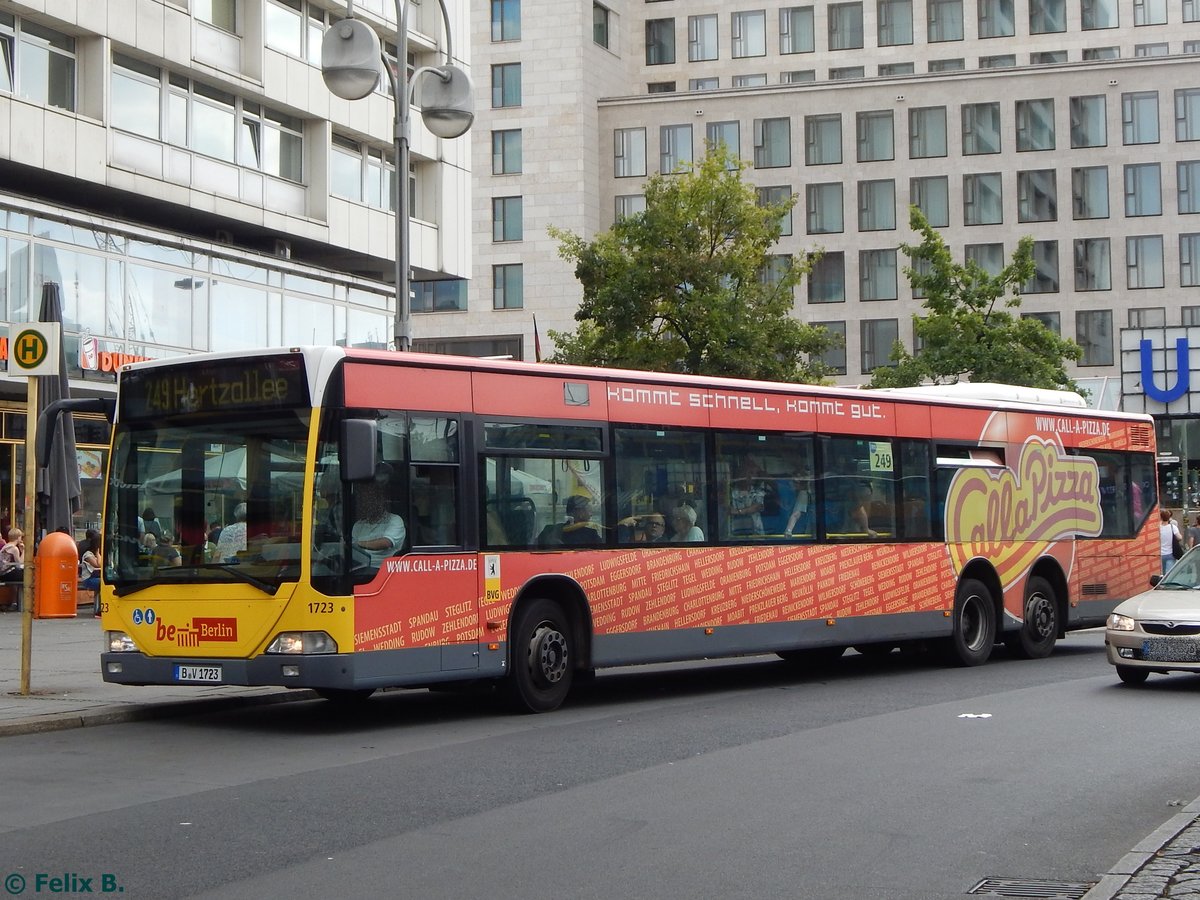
x=1094, y=53
x=945, y=20
x=774, y=269
x=506, y=219
x=660, y=42
x=725, y=134
x=1003, y=61
x=660, y=87
x=877, y=205
x=1052, y=320
x=1187, y=114
x=989, y=257
x=827, y=279
x=1189, y=315
x=1143, y=190
x=1149, y=12
x=875, y=136
x=823, y=139
x=506, y=152
x=877, y=336
x=1037, y=196
x=506, y=20
x=506, y=85
x=905, y=68
x=997, y=18
x=772, y=143
x=982, y=196
x=932, y=196
x=834, y=359
x=1045, y=271
x=877, y=274
x=37, y=63
x=1035, y=125
x=844, y=73
x=947, y=65
x=798, y=76
x=845, y=26
x=748, y=33
x=1093, y=332
x=1047, y=57
x=272, y=142
x=1191, y=10
x=744, y=81
x=1155, y=49
x=601, y=25
x=1189, y=262
x=219, y=13
x=774, y=196
x=1097, y=14
x=1144, y=261
x=1139, y=117
x=508, y=287
x=894, y=22
x=1187, y=175
x=1089, y=123
x=824, y=205
x=361, y=173
x=1093, y=264
x=927, y=132
x=136, y=89
x=704, y=84
x=980, y=128
x=629, y=205
x=702, y=38
x=796, y=29
x=283, y=27
x=1149, y=317
x=629, y=152
x=1047, y=16
x=447, y=295
x=674, y=148
x=1089, y=192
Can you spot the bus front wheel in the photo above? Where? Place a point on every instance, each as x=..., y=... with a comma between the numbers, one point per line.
x=542, y=658
x=1037, y=634
x=974, y=630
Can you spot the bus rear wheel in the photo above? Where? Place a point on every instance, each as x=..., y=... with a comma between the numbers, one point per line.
x=1037, y=634
x=542, y=658
x=974, y=629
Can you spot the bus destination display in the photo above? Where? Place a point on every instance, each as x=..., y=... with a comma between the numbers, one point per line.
x=227, y=386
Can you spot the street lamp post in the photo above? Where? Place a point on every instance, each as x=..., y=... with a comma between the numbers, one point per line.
x=351, y=56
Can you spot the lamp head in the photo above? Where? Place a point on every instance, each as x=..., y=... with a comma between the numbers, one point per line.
x=446, y=98
x=350, y=59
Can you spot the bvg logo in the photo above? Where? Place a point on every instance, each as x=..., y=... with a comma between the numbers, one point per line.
x=199, y=631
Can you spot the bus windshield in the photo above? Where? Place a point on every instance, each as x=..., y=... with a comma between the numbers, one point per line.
x=215, y=500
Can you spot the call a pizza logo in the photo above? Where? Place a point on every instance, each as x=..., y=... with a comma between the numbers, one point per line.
x=1012, y=517
x=198, y=631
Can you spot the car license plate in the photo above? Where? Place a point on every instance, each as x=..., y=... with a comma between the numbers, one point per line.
x=198, y=673
x=1171, y=650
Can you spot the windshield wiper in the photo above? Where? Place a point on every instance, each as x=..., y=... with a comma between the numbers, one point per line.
x=265, y=586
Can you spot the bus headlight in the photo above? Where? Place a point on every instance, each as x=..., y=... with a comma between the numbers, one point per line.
x=1119, y=623
x=119, y=642
x=304, y=642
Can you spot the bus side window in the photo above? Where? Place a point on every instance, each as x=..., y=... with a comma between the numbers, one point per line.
x=434, y=505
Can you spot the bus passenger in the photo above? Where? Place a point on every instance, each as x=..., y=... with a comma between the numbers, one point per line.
x=233, y=537
x=746, y=501
x=377, y=530
x=579, y=527
x=683, y=520
x=800, y=505
x=858, y=511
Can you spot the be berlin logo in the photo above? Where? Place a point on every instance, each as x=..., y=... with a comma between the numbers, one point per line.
x=66, y=883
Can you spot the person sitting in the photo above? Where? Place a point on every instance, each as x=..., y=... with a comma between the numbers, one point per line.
x=164, y=555
x=12, y=556
x=648, y=529
x=150, y=523
x=89, y=562
x=683, y=521
x=377, y=531
x=579, y=527
x=799, y=514
x=233, y=537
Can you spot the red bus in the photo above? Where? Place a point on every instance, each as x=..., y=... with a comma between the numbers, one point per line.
x=352, y=520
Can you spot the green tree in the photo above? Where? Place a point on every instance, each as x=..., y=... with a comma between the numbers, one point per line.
x=968, y=329
x=689, y=284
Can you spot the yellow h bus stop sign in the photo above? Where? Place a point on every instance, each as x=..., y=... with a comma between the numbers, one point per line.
x=33, y=350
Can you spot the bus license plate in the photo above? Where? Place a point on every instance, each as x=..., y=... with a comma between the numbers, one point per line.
x=198, y=673
x=1170, y=650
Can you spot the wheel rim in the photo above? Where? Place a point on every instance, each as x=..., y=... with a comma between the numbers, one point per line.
x=973, y=623
x=1040, y=616
x=548, y=654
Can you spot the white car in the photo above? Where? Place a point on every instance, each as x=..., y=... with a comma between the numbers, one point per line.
x=1158, y=630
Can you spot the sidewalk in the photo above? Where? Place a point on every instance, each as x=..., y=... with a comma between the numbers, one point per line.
x=66, y=690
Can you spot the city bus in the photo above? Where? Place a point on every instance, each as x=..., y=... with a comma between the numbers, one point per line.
x=348, y=520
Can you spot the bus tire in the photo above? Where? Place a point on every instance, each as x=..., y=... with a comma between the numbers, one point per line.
x=1131, y=676
x=974, y=624
x=1037, y=634
x=542, y=658
x=345, y=696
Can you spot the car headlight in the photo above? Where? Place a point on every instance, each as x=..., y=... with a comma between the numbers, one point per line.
x=119, y=642
x=1117, y=622
x=302, y=642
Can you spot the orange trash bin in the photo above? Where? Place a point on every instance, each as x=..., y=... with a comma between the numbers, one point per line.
x=56, y=577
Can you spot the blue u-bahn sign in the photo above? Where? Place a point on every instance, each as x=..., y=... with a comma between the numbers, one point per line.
x=1156, y=370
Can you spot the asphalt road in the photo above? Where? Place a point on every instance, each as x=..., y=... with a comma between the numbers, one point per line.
x=872, y=778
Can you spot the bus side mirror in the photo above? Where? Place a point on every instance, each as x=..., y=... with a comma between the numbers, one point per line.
x=357, y=449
